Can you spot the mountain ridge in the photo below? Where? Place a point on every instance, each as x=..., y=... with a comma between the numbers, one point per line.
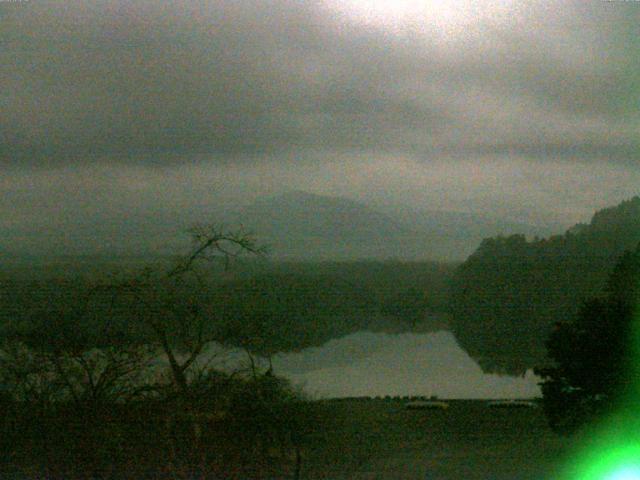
x=302, y=224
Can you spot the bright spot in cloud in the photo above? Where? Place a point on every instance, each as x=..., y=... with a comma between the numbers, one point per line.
x=449, y=18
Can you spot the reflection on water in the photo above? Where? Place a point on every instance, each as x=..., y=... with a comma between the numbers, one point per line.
x=372, y=364
x=398, y=364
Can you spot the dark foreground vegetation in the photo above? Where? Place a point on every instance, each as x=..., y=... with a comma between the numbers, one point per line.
x=111, y=379
x=338, y=439
x=381, y=439
x=244, y=428
x=594, y=368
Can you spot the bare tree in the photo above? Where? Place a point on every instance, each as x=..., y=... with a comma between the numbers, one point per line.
x=176, y=307
x=174, y=310
x=61, y=353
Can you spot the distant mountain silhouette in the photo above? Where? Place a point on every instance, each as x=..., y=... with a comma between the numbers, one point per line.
x=305, y=225
x=297, y=225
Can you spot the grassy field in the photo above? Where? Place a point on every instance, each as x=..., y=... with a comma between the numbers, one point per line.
x=380, y=439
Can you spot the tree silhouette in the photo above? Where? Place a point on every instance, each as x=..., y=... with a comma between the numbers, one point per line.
x=592, y=369
x=175, y=309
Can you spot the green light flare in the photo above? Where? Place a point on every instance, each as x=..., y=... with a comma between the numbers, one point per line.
x=625, y=473
x=611, y=450
x=614, y=456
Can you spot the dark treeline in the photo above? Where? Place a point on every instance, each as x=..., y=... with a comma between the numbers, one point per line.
x=298, y=305
x=266, y=307
x=510, y=292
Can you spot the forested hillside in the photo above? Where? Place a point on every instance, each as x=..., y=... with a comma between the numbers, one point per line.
x=259, y=305
x=508, y=294
x=299, y=305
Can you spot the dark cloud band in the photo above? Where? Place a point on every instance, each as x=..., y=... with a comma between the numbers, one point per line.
x=152, y=82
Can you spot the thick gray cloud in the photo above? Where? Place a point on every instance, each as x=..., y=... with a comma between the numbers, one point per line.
x=118, y=118
x=157, y=82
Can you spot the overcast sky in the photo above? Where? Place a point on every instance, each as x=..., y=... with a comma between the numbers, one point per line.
x=107, y=108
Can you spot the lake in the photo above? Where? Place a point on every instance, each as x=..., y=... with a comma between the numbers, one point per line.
x=379, y=364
